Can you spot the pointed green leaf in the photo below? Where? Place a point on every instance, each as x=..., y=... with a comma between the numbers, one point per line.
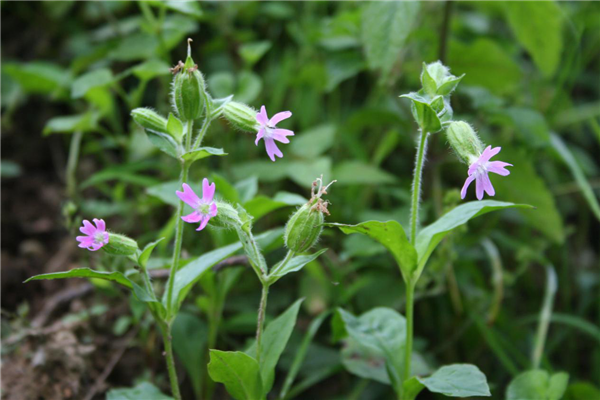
x=458, y=380
x=201, y=153
x=537, y=384
x=145, y=254
x=429, y=237
x=72, y=123
x=175, y=127
x=449, y=85
x=423, y=112
x=86, y=82
x=294, y=265
x=164, y=142
x=238, y=372
x=412, y=388
x=392, y=236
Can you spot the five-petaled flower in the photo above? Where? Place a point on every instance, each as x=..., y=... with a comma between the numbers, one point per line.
x=204, y=209
x=478, y=172
x=269, y=132
x=96, y=236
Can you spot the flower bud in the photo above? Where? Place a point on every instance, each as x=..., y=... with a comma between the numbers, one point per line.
x=149, y=119
x=189, y=89
x=437, y=79
x=241, y=116
x=305, y=226
x=120, y=245
x=464, y=141
x=228, y=217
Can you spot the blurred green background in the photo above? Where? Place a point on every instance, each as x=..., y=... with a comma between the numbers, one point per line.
x=72, y=71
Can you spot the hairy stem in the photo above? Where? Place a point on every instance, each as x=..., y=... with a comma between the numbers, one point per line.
x=416, y=187
x=201, y=134
x=72, y=164
x=147, y=282
x=168, y=341
x=179, y=228
x=262, y=309
x=410, y=295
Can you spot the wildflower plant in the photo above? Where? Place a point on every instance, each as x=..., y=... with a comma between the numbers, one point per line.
x=383, y=331
x=181, y=136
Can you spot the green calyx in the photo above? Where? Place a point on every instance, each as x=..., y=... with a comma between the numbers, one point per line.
x=149, y=119
x=464, y=141
x=240, y=116
x=189, y=90
x=120, y=245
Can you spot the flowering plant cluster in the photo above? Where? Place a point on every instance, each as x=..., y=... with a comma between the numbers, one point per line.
x=250, y=375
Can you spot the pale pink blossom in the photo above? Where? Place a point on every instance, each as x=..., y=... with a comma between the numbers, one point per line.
x=96, y=236
x=478, y=172
x=269, y=132
x=204, y=208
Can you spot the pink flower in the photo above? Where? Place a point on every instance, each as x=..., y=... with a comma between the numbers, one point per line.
x=478, y=172
x=269, y=131
x=96, y=235
x=204, y=209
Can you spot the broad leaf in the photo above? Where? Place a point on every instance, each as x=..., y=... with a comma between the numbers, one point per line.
x=457, y=380
x=201, y=153
x=392, y=236
x=537, y=384
x=429, y=237
x=144, y=390
x=273, y=342
x=294, y=265
x=238, y=372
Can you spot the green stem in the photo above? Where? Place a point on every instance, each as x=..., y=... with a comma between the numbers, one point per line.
x=410, y=294
x=290, y=254
x=72, y=164
x=147, y=282
x=262, y=309
x=416, y=187
x=179, y=228
x=545, y=316
x=203, y=130
x=168, y=341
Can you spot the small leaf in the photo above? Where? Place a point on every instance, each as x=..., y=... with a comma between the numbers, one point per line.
x=429, y=237
x=428, y=83
x=458, y=380
x=218, y=105
x=537, y=384
x=151, y=69
x=145, y=254
x=238, y=372
x=412, y=388
x=144, y=390
x=448, y=87
x=202, y=152
x=114, y=276
x=175, y=127
x=72, y=123
x=423, y=112
x=392, y=236
x=294, y=265
x=86, y=82
x=164, y=142
x=251, y=53
x=262, y=205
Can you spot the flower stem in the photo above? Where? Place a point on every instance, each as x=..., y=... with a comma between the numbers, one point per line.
x=416, y=187
x=201, y=134
x=410, y=294
x=166, y=333
x=72, y=164
x=262, y=309
x=179, y=228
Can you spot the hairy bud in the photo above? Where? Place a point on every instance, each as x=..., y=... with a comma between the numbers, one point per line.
x=120, y=245
x=189, y=89
x=464, y=141
x=149, y=119
x=241, y=116
x=305, y=226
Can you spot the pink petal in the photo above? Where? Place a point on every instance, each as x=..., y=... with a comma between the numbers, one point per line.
x=208, y=191
x=100, y=224
x=479, y=188
x=262, y=117
x=205, y=219
x=88, y=228
x=280, y=138
x=106, y=237
x=212, y=211
x=259, y=135
x=487, y=185
x=489, y=153
x=463, y=192
x=192, y=218
x=84, y=240
x=497, y=167
x=188, y=196
x=272, y=149
x=84, y=245
x=95, y=247
x=277, y=118
x=280, y=135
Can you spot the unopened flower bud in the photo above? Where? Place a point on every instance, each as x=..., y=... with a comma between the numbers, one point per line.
x=149, y=119
x=437, y=79
x=241, y=116
x=189, y=89
x=304, y=227
x=464, y=141
x=120, y=245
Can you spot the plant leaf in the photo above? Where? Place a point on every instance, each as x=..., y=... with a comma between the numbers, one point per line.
x=429, y=237
x=294, y=265
x=392, y=236
x=144, y=390
x=164, y=142
x=189, y=340
x=145, y=254
x=88, y=81
x=423, y=112
x=238, y=372
x=202, y=152
x=458, y=380
x=537, y=384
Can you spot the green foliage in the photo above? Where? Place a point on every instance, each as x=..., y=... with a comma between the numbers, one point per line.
x=457, y=380
x=144, y=390
x=238, y=372
x=538, y=384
